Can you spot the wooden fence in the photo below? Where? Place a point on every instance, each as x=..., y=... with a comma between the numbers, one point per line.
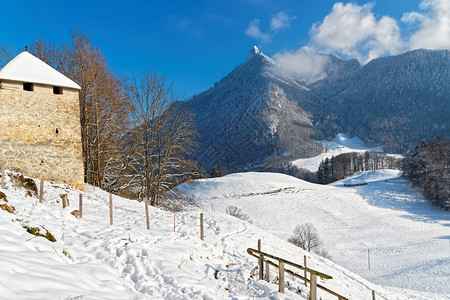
x=262, y=260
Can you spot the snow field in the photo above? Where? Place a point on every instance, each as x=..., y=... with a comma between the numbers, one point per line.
x=407, y=237
x=126, y=261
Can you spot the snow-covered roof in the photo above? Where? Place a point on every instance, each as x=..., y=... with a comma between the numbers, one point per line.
x=28, y=68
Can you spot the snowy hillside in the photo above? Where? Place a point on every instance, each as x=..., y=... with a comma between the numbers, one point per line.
x=94, y=260
x=406, y=238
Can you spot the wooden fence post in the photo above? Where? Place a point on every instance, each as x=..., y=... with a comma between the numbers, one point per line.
x=110, y=209
x=3, y=177
x=304, y=272
x=201, y=227
x=281, y=277
x=260, y=262
x=65, y=201
x=313, y=287
x=80, y=206
x=147, y=217
x=267, y=271
x=41, y=191
x=373, y=294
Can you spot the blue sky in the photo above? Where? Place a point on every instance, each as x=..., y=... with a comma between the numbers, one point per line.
x=195, y=43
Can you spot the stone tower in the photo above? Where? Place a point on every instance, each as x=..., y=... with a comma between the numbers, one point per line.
x=40, y=131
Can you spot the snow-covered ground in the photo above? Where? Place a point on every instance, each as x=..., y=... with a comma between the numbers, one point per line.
x=94, y=260
x=341, y=144
x=407, y=239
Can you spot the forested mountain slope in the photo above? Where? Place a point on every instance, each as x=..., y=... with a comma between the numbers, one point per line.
x=257, y=111
x=394, y=101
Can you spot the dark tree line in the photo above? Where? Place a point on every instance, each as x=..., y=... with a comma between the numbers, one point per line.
x=218, y=171
x=342, y=165
x=428, y=167
x=282, y=164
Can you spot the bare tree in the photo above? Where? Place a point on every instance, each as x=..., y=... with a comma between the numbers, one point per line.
x=6, y=54
x=237, y=213
x=161, y=138
x=48, y=52
x=103, y=110
x=306, y=237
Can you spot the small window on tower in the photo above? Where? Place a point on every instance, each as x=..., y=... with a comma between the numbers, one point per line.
x=27, y=86
x=57, y=90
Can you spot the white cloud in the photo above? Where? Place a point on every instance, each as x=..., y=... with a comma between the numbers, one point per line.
x=253, y=30
x=412, y=17
x=280, y=21
x=386, y=39
x=304, y=64
x=434, y=25
x=353, y=30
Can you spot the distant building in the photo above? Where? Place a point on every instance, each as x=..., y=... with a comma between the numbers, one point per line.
x=40, y=131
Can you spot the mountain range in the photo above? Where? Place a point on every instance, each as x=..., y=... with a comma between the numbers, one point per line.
x=259, y=111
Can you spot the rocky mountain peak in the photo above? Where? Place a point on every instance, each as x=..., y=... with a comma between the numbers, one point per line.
x=253, y=52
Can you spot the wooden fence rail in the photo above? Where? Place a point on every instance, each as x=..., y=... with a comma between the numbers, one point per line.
x=281, y=266
x=110, y=209
x=80, y=206
x=41, y=191
x=202, y=230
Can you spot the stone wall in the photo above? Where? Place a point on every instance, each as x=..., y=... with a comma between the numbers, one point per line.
x=40, y=133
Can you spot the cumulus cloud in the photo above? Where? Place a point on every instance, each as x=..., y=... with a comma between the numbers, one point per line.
x=353, y=30
x=304, y=64
x=253, y=30
x=280, y=21
x=434, y=25
x=386, y=38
